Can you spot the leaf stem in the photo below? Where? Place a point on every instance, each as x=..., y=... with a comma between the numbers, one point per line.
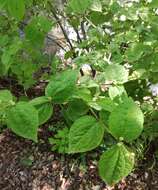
x=93, y=113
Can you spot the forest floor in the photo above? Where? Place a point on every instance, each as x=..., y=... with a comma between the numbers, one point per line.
x=25, y=165
x=28, y=166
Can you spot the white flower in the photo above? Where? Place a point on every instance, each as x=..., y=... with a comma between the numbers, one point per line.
x=86, y=68
x=148, y=26
x=154, y=89
x=130, y=4
x=156, y=12
x=122, y=18
x=108, y=31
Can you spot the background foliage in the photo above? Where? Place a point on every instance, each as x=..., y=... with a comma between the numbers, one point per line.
x=101, y=81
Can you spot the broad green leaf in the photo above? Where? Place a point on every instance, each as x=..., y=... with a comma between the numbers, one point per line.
x=6, y=59
x=6, y=100
x=44, y=108
x=45, y=111
x=106, y=104
x=116, y=73
x=153, y=4
x=83, y=93
x=79, y=6
x=55, y=64
x=37, y=29
x=76, y=109
x=116, y=91
x=82, y=134
x=4, y=39
x=8, y=55
x=22, y=119
x=94, y=105
x=136, y=51
x=62, y=86
x=96, y=6
x=40, y=100
x=154, y=63
x=2, y=4
x=5, y=96
x=140, y=73
x=28, y=3
x=126, y=121
x=98, y=18
x=116, y=163
x=16, y=8
x=152, y=131
x=43, y=23
x=104, y=117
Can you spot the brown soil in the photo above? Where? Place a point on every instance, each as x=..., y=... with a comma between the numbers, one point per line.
x=28, y=166
x=25, y=165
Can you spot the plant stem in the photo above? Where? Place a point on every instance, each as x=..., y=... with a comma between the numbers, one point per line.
x=93, y=113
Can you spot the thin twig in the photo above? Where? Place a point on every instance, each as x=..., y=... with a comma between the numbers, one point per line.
x=94, y=26
x=78, y=35
x=55, y=41
x=83, y=31
x=62, y=28
x=84, y=34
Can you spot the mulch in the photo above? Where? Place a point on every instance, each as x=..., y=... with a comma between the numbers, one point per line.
x=25, y=165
